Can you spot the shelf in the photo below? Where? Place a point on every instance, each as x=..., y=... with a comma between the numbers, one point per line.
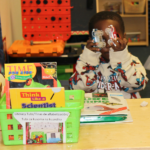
x=133, y=22
x=140, y=43
x=133, y=15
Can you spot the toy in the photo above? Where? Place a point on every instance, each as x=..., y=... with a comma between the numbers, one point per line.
x=30, y=83
x=44, y=20
x=111, y=32
x=97, y=37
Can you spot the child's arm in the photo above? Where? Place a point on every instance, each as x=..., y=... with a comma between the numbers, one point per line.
x=85, y=77
x=132, y=74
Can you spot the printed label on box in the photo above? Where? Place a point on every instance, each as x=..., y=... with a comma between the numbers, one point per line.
x=43, y=127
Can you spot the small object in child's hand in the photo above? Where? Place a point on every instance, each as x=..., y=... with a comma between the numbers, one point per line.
x=97, y=38
x=143, y=104
x=71, y=97
x=111, y=32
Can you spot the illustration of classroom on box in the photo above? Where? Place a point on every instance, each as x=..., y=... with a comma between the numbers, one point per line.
x=44, y=132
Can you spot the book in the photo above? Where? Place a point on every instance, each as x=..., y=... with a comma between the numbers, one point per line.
x=22, y=98
x=29, y=75
x=105, y=107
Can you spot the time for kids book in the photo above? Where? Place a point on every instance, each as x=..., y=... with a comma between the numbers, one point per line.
x=29, y=75
x=107, y=105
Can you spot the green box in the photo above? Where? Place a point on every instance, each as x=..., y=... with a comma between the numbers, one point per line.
x=72, y=123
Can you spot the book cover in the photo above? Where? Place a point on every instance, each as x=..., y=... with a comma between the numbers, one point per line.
x=37, y=97
x=29, y=75
x=105, y=104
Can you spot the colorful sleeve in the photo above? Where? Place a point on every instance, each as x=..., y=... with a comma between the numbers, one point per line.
x=131, y=73
x=85, y=77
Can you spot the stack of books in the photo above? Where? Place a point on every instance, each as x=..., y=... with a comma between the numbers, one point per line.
x=105, y=108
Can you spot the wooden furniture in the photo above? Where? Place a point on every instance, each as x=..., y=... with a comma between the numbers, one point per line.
x=133, y=22
x=107, y=136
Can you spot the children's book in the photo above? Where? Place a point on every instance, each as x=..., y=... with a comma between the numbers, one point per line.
x=102, y=107
x=29, y=75
x=37, y=97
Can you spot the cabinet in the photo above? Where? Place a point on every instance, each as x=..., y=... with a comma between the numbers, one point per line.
x=133, y=22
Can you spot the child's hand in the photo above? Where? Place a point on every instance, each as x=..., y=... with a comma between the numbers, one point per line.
x=90, y=45
x=119, y=44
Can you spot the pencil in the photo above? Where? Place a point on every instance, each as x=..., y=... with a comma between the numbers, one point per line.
x=52, y=96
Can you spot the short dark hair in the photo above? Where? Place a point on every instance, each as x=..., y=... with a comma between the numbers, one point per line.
x=103, y=15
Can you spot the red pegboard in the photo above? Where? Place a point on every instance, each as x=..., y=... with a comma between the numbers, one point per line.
x=44, y=20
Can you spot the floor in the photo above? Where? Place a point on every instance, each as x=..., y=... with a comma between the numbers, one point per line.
x=142, y=52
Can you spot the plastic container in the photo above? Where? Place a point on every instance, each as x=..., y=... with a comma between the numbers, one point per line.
x=112, y=6
x=134, y=6
x=72, y=124
x=133, y=36
x=22, y=48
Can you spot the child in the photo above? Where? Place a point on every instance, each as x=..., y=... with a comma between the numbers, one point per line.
x=111, y=69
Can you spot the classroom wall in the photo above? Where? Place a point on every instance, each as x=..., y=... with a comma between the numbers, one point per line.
x=10, y=11
x=80, y=14
x=6, y=21
x=16, y=19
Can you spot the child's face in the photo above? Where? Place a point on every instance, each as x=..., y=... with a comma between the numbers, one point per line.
x=102, y=25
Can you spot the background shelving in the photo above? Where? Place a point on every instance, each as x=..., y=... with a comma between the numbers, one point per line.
x=133, y=22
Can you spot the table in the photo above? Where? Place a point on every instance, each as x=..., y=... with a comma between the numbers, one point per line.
x=122, y=136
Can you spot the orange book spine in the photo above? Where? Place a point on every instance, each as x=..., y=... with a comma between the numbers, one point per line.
x=7, y=94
